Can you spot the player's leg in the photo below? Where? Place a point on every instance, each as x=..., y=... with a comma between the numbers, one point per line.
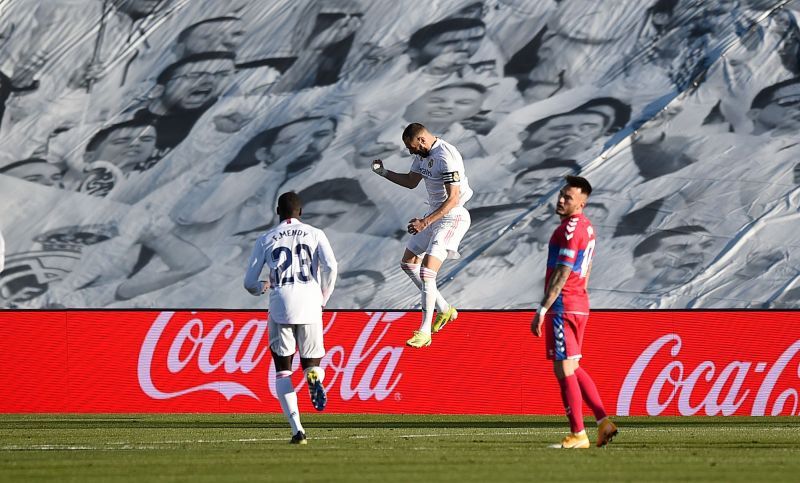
x=411, y=264
x=606, y=429
x=443, y=246
x=430, y=268
x=315, y=375
x=590, y=394
x=417, y=245
x=312, y=350
x=564, y=350
x=282, y=345
x=422, y=336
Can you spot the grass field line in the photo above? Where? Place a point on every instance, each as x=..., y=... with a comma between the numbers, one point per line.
x=153, y=445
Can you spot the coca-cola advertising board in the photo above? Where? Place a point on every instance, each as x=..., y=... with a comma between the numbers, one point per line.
x=485, y=362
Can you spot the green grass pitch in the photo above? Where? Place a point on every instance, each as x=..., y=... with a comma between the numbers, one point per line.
x=388, y=448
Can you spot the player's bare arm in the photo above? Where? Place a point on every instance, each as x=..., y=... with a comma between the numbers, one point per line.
x=408, y=180
x=416, y=225
x=557, y=281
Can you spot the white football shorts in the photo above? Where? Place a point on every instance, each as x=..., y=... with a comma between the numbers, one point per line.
x=442, y=238
x=284, y=339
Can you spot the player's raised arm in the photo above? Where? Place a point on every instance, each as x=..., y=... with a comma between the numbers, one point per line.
x=408, y=180
x=254, y=266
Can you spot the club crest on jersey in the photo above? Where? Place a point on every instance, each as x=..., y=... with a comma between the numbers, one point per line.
x=430, y=163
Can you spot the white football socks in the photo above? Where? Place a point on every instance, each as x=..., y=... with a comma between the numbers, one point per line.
x=413, y=270
x=288, y=399
x=429, y=293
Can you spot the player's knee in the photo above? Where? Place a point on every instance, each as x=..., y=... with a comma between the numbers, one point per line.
x=564, y=368
x=409, y=267
x=437, y=252
x=410, y=258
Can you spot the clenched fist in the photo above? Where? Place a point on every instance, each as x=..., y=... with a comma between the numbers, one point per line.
x=377, y=168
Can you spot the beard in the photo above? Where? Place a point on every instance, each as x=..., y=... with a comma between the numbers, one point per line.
x=422, y=152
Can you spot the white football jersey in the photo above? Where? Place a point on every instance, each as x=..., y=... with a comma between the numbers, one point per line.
x=442, y=166
x=294, y=252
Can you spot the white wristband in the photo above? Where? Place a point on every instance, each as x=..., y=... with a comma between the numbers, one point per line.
x=541, y=311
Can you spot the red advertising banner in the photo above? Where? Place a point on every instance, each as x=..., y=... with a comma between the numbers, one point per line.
x=644, y=363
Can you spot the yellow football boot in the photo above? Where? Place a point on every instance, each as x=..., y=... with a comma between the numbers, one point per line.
x=443, y=319
x=420, y=339
x=575, y=441
x=606, y=432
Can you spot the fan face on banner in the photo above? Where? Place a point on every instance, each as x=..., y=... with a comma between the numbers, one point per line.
x=144, y=143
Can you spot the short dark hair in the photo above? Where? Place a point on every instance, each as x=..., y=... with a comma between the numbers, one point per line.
x=578, y=182
x=341, y=189
x=653, y=242
x=17, y=164
x=622, y=114
x=289, y=204
x=246, y=157
x=550, y=163
x=423, y=36
x=185, y=33
x=765, y=96
x=413, y=130
x=101, y=135
x=463, y=85
x=664, y=6
x=166, y=74
x=622, y=111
